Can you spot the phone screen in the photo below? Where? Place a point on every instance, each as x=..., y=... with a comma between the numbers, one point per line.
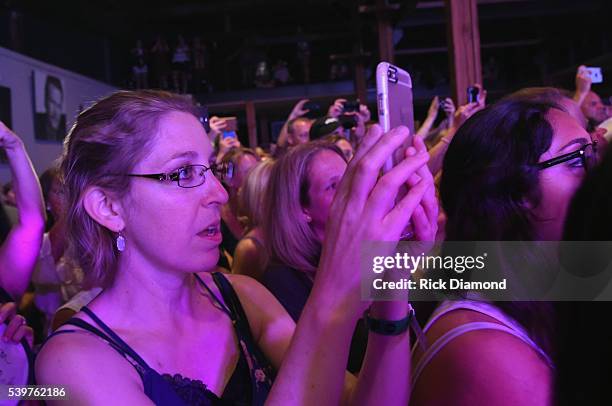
x=472, y=93
x=595, y=74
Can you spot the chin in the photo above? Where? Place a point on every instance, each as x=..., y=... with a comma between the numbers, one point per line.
x=210, y=262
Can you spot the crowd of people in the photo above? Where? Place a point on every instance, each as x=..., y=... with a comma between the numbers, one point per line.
x=172, y=266
x=184, y=66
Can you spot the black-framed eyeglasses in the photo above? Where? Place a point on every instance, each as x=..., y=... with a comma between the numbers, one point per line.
x=190, y=176
x=587, y=155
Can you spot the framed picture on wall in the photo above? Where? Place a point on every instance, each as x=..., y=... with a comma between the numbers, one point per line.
x=6, y=115
x=49, y=108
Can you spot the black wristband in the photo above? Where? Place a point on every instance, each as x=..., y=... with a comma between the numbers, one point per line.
x=388, y=327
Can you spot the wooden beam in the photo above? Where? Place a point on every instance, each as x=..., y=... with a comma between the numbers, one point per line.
x=464, y=38
x=251, y=123
x=264, y=126
x=360, y=82
x=385, y=32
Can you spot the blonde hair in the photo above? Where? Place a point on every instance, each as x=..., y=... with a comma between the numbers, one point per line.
x=108, y=139
x=253, y=195
x=288, y=236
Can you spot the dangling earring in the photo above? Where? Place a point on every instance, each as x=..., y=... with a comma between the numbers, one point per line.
x=120, y=242
x=308, y=219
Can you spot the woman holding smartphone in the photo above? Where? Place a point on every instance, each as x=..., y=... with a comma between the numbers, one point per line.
x=144, y=214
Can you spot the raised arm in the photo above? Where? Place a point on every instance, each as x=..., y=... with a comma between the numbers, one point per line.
x=386, y=366
x=364, y=209
x=19, y=252
x=583, y=84
x=297, y=111
x=464, y=112
x=432, y=113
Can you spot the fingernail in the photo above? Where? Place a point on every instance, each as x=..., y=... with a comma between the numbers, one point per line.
x=411, y=151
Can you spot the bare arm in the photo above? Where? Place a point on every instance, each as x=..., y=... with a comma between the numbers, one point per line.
x=387, y=362
x=90, y=370
x=583, y=84
x=432, y=113
x=438, y=151
x=485, y=367
x=19, y=252
x=247, y=259
x=364, y=209
x=297, y=111
x=464, y=112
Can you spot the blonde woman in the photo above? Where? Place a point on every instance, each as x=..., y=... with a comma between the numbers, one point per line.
x=302, y=187
x=250, y=256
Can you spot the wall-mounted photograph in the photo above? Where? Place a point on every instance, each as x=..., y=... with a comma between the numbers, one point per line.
x=49, y=108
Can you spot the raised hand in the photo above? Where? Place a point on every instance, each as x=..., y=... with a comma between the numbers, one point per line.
x=217, y=125
x=449, y=107
x=335, y=110
x=16, y=324
x=583, y=84
x=299, y=110
x=365, y=209
x=8, y=139
x=432, y=112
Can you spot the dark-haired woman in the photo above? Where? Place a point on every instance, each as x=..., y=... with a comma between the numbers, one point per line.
x=509, y=174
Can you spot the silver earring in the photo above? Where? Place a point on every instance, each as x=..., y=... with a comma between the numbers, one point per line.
x=120, y=242
x=308, y=219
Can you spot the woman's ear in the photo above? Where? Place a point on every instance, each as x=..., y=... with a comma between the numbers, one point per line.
x=103, y=208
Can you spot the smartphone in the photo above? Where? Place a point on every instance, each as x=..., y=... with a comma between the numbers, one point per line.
x=347, y=121
x=441, y=103
x=229, y=134
x=472, y=93
x=314, y=109
x=395, y=108
x=350, y=106
x=595, y=74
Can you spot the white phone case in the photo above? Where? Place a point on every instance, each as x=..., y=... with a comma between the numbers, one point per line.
x=395, y=108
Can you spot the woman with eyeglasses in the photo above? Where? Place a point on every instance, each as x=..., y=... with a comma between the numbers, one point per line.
x=143, y=218
x=508, y=175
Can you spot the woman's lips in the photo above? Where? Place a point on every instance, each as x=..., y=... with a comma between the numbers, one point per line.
x=212, y=233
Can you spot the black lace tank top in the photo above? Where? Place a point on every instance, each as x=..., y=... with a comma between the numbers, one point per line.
x=249, y=384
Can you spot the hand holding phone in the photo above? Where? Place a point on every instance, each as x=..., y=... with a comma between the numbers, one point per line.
x=231, y=123
x=313, y=109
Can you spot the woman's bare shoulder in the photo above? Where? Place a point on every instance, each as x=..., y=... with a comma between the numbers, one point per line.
x=93, y=370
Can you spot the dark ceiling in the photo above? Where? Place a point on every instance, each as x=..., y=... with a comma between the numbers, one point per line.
x=56, y=31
